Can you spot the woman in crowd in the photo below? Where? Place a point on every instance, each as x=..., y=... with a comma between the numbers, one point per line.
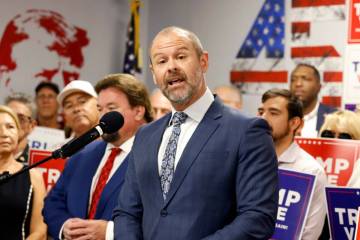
x=342, y=124
x=21, y=197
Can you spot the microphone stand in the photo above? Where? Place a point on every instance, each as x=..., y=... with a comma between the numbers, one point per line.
x=6, y=176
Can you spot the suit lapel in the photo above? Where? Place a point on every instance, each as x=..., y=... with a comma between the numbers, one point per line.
x=114, y=183
x=85, y=173
x=202, y=134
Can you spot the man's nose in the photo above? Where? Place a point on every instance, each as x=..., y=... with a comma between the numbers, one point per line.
x=172, y=66
x=298, y=82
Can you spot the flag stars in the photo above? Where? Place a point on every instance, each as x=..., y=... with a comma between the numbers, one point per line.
x=271, y=19
x=267, y=6
x=266, y=31
x=260, y=21
x=277, y=8
x=271, y=41
x=131, y=57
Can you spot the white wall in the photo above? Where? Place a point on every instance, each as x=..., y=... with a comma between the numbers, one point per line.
x=220, y=25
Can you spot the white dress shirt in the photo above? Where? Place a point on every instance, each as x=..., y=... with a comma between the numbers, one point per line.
x=125, y=150
x=310, y=120
x=196, y=113
x=295, y=158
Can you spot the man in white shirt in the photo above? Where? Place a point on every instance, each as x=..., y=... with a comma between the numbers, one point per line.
x=283, y=111
x=305, y=84
x=81, y=203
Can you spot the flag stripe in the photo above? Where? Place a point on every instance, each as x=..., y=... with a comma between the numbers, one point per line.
x=315, y=3
x=258, y=76
x=332, y=76
x=314, y=51
x=334, y=101
x=300, y=27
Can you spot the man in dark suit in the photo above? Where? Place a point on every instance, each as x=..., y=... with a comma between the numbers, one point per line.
x=204, y=171
x=305, y=84
x=82, y=201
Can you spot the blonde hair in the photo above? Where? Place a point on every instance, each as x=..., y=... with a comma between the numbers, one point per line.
x=343, y=120
x=11, y=113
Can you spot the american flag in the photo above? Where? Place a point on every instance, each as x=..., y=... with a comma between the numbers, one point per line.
x=285, y=33
x=132, y=60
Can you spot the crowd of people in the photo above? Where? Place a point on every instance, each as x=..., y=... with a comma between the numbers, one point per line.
x=187, y=163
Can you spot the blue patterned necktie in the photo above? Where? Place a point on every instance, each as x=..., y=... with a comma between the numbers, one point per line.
x=167, y=165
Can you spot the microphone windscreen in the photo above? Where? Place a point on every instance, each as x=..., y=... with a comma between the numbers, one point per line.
x=111, y=122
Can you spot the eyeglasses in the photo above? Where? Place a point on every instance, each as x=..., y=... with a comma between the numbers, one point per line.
x=331, y=134
x=23, y=118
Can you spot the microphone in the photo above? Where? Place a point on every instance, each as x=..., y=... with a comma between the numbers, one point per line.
x=109, y=123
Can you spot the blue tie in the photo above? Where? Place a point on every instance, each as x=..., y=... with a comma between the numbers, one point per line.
x=167, y=165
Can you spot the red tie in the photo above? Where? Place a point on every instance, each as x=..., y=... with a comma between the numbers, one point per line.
x=104, y=175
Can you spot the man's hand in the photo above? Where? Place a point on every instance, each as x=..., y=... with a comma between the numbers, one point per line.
x=81, y=229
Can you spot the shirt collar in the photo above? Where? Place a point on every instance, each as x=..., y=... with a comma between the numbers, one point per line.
x=289, y=154
x=313, y=113
x=197, y=110
x=125, y=147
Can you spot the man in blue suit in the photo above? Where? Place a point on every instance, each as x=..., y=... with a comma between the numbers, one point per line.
x=306, y=85
x=203, y=172
x=82, y=201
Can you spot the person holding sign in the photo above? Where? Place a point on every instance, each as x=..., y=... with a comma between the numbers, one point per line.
x=21, y=198
x=284, y=113
x=344, y=124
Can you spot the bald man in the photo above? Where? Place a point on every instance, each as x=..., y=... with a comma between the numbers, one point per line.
x=160, y=104
x=230, y=96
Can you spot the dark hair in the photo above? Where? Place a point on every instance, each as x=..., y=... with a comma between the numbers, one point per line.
x=51, y=85
x=134, y=90
x=316, y=72
x=294, y=105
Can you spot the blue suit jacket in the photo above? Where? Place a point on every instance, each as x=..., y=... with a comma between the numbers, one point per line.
x=70, y=196
x=224, y=187
x=323, y=110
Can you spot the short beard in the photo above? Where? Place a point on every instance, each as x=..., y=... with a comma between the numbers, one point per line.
x=179, y=99
x=111, y=137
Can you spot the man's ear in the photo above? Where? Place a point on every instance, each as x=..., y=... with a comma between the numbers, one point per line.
x=152, y=72
x=296, y=124
x=139, y=113
x=204, y=61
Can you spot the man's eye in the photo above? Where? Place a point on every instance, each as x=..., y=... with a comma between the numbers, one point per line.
x=181, y=56
x=160, y=61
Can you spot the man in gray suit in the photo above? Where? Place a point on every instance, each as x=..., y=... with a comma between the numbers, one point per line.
x=203, y=171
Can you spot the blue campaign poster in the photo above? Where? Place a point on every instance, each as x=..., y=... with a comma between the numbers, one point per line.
x=342, y=205
x=295, y=192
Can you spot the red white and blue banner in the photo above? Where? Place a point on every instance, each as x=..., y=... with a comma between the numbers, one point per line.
x=285, y=33
x=295, y=193
x=342, y=204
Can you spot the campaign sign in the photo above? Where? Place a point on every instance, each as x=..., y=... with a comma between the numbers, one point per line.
x=51, y=170
x=337, y=156
x=357, y=226
x=354, y=21
x=44, y=138
x=295, y=193
x=342, y=206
